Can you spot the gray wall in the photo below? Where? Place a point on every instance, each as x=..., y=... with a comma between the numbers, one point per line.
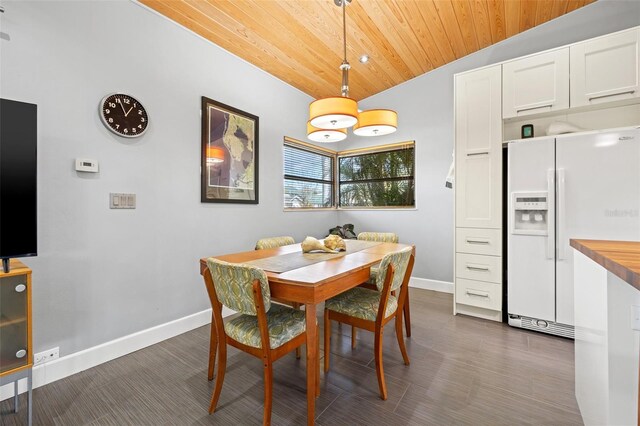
x=100, y=273
x=425, y=110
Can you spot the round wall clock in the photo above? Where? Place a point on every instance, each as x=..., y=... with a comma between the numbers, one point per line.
x=124, y=115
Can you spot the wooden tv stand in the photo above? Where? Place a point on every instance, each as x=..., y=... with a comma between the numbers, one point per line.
x=16, y=352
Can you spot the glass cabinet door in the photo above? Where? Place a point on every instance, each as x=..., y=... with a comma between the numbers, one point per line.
x=13, y=323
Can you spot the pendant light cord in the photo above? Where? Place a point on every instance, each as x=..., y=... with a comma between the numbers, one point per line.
x=345, y=64
x=344, y=28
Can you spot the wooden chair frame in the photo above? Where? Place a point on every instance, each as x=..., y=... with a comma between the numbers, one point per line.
x=376, y=326
x=265, y=353
x=294, y=305
x=406, y=310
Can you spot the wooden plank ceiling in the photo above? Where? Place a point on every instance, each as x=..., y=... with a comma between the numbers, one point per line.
x=300, y=41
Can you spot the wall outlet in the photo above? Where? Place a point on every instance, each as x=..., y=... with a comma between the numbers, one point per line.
x=46, y=356
x=635, y=317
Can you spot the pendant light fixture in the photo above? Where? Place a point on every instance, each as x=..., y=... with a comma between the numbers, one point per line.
x=376, y=122
x=330, y=117
x=337, y=112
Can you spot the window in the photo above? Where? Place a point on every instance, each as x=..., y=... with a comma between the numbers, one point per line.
x=377, y=178
x=308, y=176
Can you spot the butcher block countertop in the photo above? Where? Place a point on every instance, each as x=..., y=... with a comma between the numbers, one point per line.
x=621, y=258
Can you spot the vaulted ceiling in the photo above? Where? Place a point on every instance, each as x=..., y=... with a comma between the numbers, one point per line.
x=300, y=41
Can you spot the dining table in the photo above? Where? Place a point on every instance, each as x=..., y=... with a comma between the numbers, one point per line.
x=309, y=279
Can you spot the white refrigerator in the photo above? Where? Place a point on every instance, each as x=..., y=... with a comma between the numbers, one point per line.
x=581, y=185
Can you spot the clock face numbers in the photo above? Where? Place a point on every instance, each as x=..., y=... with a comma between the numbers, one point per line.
x=124, y=115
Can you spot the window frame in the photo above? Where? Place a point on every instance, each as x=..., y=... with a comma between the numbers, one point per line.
x=303, y=146
x=373, y=150
x=335, y=162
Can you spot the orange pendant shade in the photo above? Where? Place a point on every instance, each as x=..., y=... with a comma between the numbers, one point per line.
x=376, y=122
x=333, y=113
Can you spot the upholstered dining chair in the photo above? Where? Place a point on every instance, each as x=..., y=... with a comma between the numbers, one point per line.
x=373, y=309
x=265, y=330
x=273, y=242
x=264, y=243
x=382, y=237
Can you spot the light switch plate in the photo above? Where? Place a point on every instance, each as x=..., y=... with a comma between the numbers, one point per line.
x=635, y=317
x=119, y=200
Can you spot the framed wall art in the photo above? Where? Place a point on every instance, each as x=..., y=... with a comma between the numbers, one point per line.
x=229, y=154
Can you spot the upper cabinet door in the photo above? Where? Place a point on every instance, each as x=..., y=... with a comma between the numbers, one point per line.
x=536, y=84
x=606, y=69
x=478, y=148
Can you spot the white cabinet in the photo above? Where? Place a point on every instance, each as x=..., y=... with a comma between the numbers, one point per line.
x=601, y=70
x=596, y=71
x=478, y=193
x=606, y=69
x=478, y=148
x=536, y=84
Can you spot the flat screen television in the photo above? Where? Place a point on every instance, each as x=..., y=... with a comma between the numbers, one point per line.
x=18, y=180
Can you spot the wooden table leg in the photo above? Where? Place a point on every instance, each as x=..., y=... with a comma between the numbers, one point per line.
x=312, y=361
x=407, y=315
x=318, y=362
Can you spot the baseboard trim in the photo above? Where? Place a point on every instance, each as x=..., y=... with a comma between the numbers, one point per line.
x=435, y=285
x=91, y=357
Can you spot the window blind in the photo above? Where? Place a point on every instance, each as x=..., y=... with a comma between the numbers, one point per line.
x=308, y=178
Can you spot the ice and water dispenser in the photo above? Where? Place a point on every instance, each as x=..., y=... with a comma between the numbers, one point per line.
x=530, y=212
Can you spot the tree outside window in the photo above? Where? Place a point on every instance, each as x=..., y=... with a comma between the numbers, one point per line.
x=377, y=179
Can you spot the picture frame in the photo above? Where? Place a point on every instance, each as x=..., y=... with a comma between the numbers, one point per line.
x=229, y=154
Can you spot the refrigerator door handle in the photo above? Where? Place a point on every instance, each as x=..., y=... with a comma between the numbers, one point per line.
x=551, y=223
x=561, y=214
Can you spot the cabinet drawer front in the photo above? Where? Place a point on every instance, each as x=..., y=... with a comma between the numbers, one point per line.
x=479, y=267
x=478, y=293
x=479, y=241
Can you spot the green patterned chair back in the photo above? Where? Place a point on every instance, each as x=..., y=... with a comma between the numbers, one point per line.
x=233, y=284
x=273, y=242
x=381, y=237
x=400, y=261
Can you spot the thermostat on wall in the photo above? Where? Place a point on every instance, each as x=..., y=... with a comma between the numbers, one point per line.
x=86, y=165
